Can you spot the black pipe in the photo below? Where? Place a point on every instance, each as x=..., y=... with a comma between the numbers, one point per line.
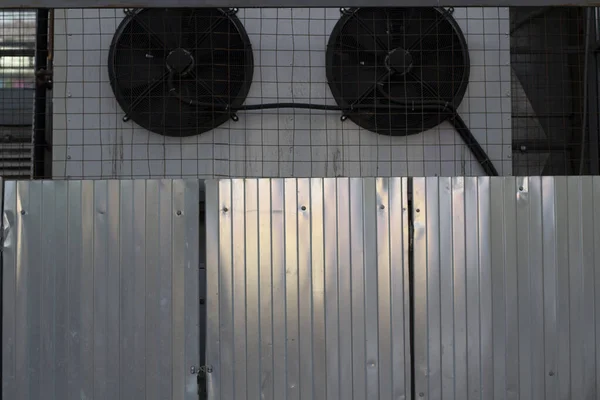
x=40, y=104
x=430, y=105
x=473, y=145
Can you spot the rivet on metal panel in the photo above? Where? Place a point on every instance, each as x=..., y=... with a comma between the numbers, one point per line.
x=421, y=394
x=209, y=369
x=22, y=212
x=520, y=188
x=551, y=373
x=371, y=365
x=382, y=207
x=193, y=370
x=303, y=208
x=418, y=210
x=178, y=212
x=68, y=157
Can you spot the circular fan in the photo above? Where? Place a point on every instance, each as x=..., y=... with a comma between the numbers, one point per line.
x=177, y=71
x=389, y=66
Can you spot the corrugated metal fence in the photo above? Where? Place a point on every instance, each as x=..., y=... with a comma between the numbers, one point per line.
x=507, y=288
x=100, y=290
x=313, y=289
x=307, y=289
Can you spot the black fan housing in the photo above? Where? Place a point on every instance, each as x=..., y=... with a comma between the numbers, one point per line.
x=392, y=68
x=177, y=71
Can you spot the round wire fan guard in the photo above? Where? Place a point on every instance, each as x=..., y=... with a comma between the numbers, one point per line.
x=392, y=68
x=176, y=72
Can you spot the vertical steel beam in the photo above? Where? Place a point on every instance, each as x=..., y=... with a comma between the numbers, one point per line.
x=40, y=104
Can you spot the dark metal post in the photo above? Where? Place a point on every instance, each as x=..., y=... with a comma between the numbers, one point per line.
x=593, y=123
x=40, y=104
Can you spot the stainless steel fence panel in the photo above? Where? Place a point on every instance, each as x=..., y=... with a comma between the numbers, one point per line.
x=505, y=287
x=100, y=290
x=308, y=288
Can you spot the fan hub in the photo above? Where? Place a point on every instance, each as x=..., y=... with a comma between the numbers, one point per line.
x=180, y=61
x=399, y=61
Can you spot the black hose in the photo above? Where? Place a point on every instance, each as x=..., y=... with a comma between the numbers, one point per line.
x=268, y=106
x=430, y=105
x=473, y=145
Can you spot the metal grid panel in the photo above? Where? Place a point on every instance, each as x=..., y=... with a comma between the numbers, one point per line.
x=289, y=46
x=505, y=287
x=308, y=289
x=531, y=102
x=100, y=290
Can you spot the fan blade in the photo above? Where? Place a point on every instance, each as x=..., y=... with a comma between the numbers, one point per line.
x=398, y=20
x=367, y=30
x=135, y=67
x=353, y=55
x=357, y=82
x=428, y=25
x=429, y=89
x=403, y=25
x=405, y=92
x=227, y=65
x=165, y=26
x=173, y=26
x=352, y=44
x=229, y=57
x=145, y=94
x=203, y=27
x=215, y=89
x=443, y=69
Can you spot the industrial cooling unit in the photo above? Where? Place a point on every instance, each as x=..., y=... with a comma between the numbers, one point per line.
x=282, y=92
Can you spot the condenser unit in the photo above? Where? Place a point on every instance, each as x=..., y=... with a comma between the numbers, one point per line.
x=281, y=92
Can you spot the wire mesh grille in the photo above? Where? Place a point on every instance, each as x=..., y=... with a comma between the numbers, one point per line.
x=280, y=92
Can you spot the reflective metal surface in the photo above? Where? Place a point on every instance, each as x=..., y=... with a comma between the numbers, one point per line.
x=506, y=287
x=100, y=290
x=307, y=289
